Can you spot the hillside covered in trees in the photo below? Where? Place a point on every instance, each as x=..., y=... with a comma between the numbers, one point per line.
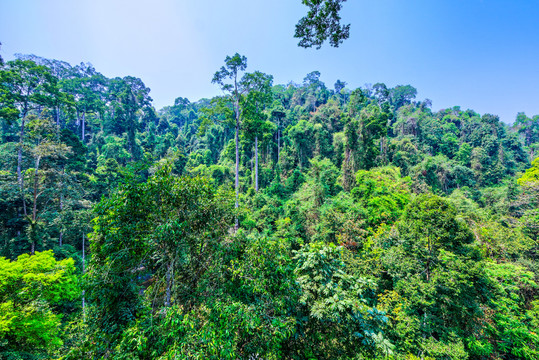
x=297, y=221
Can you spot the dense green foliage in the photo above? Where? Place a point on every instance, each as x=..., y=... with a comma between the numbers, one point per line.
x=321, y=23
x=33, y=290
x=295, y=222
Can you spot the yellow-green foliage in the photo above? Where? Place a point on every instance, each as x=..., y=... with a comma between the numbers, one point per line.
x=28, y=288
x=383, y=192
x=531, y=174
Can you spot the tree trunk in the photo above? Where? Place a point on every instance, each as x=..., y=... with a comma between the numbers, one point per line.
x=60, y=237
x=256, y=163
x=83, y=272
x=83, y=125
x=34, y=207
x=83, y=254
x=36, y=183
x=19, y=164
x=278, y=142
x=237, y=182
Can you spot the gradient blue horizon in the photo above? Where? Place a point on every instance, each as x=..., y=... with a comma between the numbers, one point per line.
x=476, y=54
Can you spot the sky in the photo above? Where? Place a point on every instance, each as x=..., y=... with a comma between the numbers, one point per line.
x=476, y=54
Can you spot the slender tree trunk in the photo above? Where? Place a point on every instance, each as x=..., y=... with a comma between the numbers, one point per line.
x=237, y=183
x=83, y=126
x=19, y=164
x=256, y=163
x=61, y=236
x=34, y=207
x=83, y=272
x=83, y=254
x=278, y=143
x=36, y=183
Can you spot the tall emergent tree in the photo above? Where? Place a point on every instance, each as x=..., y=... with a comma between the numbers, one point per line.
x=278, y=113
x=24, y=86
x=46, y=152
x=235, y=89
x=253, y=104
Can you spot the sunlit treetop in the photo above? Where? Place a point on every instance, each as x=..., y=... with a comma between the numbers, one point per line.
x=531, y=175
x=322, y=23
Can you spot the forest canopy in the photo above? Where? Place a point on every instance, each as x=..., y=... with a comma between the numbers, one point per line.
x=296, y=221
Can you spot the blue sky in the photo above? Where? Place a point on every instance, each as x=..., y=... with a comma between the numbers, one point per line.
x=477, y=54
